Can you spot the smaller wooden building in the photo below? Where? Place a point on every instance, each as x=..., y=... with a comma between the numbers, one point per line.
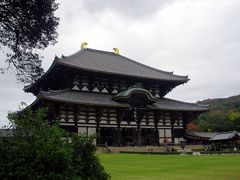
x=224, y=138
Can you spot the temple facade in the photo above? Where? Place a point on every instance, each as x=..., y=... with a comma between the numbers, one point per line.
x=118, y=99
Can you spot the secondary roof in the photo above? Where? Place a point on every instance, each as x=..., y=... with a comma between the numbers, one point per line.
x=96, y=99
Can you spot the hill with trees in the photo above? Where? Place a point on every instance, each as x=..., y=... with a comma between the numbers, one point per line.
x=224, y=115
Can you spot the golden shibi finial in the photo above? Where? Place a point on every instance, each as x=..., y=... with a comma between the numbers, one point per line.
x=116, y=50
x=84, y=45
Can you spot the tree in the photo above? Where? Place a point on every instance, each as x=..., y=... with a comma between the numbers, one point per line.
x=215, y=121
x=27, y=26
x=234, y=117
x=39, y=151
x=193, y=126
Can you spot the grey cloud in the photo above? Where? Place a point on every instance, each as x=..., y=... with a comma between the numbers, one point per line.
x=197, y=38
x=11, y=96
x=11, y=93
x=130, y=8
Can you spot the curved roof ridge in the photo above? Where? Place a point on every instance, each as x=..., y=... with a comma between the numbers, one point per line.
x=72, y=55
x=130, y=91
x=201, y=105
x=44, y=75
x=129, y=59
x=155, y=69
x=101, y=51
x=86, y=49
x=54, y=91
x=126, y=58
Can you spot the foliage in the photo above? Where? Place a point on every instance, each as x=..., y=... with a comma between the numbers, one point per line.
x=87, y=163
x=193, y=126
x=217, y=121
x=230, y=103
x=224, y=115
x=39, y=151
x=234, y=116
x=27, y=25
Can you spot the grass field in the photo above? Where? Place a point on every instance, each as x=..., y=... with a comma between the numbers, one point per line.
x=168, y=167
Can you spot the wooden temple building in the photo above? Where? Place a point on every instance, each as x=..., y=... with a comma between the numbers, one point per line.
x=114, y=97
x=194, y=137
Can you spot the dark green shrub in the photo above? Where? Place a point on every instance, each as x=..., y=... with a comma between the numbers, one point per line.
x=39, y=151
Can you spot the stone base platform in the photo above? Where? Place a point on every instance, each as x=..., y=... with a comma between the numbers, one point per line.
x=149, y=149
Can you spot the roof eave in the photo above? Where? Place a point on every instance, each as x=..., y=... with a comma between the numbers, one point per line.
x=111, y=73
x=87, y=104
x=29, y=88
x=41, y=96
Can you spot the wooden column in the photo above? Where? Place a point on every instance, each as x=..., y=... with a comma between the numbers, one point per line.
x=50, y=113
x=119, y=119
x=138, y=134
x=98, y=116
x=76, y=113
x=174, y=116
x=164, y=126
x=53, y=112
x=186, y=118
x=139, y=119
x=57, y=111
x=157, y=116
x=172, y=124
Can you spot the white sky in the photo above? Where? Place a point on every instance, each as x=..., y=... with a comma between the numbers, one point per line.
x=199, y=38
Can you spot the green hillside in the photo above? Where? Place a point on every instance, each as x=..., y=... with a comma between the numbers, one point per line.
x=231, y=103
x=224, y=115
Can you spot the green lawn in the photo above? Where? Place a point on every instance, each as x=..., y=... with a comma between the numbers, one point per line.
x=168, y=167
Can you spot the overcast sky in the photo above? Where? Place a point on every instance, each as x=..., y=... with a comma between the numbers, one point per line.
x=199, y=38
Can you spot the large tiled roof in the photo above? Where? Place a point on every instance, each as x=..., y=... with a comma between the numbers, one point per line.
x=108, y=62
x=96, y=99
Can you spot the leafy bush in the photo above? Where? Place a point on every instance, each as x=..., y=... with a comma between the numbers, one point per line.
x=40, y=151
x=217, y=121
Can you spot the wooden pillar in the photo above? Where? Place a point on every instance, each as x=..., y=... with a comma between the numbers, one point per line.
x=172, y=125
x=164, y=127
x=98, y=116
x=139, y=117
x=76, y=113
x=138, y=134
x=53, y=112
x=50, y=111
x=118, y=135
x=186, y=118
x=157, y=116
x=174, y=117
x=119, y=119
